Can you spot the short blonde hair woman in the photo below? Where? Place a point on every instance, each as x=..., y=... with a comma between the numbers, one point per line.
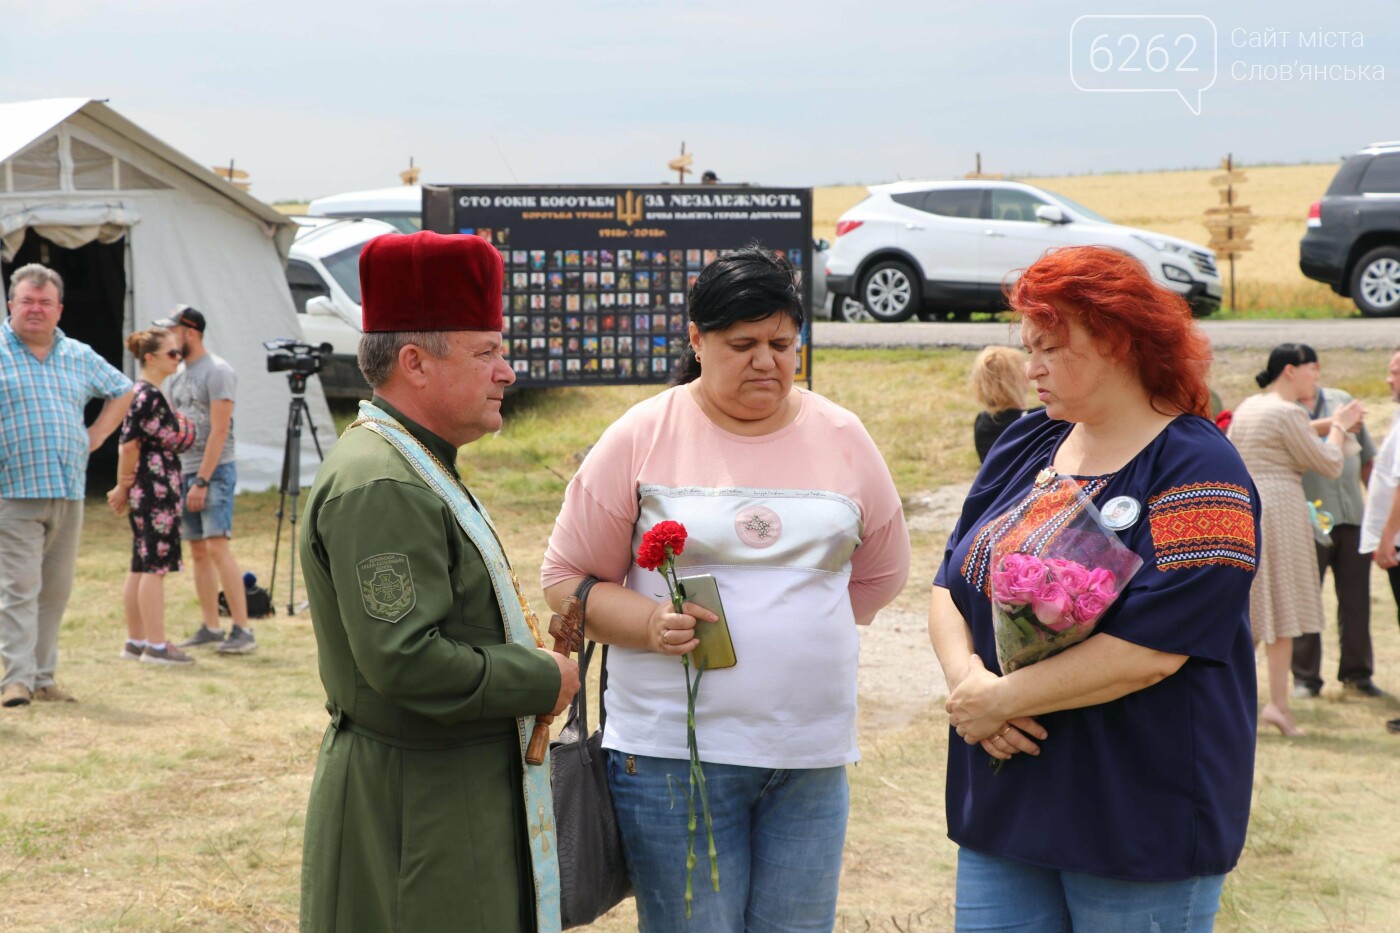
x=999, y=384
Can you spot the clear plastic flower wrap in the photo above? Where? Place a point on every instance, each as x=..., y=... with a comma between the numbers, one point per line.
x=1049, y=590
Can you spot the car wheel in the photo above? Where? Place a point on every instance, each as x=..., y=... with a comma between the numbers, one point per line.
x=890, y=292
x=1375, y=282
x=846, y=308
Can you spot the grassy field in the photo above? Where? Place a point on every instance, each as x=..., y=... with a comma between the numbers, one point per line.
x=174, y=799
x=1174, y=203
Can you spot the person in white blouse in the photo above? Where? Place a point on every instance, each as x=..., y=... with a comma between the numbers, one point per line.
x=1380, y=525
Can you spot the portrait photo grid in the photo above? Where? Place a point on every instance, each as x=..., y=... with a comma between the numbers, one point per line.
x=610, y=315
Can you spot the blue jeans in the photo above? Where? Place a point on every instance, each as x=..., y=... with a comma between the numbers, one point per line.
x=215, y=520
x=778, y=835
x=997, y=893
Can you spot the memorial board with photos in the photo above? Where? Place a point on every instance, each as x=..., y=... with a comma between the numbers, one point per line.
x=597, y=278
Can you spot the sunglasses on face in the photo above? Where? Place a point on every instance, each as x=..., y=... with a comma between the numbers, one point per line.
x=173, y=353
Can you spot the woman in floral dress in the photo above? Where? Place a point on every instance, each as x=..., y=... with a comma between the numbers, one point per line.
x=148, y=489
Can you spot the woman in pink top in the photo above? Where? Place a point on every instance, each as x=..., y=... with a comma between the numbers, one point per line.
x=790, y=506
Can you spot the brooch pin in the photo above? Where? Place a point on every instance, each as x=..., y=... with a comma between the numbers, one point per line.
x=758, y=527
x=1045, y=477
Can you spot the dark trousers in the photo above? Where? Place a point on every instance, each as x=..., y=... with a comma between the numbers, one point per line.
x=1351, y=579
x=1394, y=574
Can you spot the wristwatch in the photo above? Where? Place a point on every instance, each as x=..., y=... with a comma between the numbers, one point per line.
x=199, y=482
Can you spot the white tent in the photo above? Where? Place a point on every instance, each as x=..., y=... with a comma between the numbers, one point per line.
x=139, y=228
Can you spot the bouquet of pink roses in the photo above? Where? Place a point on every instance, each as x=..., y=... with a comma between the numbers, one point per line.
x=1044, y=602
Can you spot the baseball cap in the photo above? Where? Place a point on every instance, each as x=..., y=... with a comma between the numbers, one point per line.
x=183, y=316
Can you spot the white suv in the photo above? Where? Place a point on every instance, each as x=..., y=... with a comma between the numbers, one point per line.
x=323, y=273
x=950, y=246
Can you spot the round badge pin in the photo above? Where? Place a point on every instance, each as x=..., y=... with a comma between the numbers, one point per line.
x=1120, y=512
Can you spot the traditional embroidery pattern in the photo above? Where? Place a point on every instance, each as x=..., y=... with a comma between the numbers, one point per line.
x=1203, y=523
x=1028, y=528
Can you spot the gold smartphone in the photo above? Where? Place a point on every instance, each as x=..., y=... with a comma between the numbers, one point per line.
x=716, y=648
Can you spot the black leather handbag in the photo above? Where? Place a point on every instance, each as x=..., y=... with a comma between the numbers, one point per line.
x=592, y=869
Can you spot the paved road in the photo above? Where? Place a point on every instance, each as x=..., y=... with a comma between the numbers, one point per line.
x=1333, y=334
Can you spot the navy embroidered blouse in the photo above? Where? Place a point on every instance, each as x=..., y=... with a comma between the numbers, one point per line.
x=1153, y=786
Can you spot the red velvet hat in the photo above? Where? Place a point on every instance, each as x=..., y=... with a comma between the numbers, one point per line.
x=428, y=281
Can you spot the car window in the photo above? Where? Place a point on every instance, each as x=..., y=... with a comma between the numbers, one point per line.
x=1344, y=182
x=1078, y=208
x=954, y=202
x=305, y=284
x=345, y=267
x=406, y=223
x=1011, y=204
x=1382, y=175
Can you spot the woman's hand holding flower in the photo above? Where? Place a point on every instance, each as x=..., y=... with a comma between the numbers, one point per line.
x=974, y=710
x=673, y=633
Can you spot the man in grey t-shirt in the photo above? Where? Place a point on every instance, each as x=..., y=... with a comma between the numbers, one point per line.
x=1351, y=569
x=204, y=392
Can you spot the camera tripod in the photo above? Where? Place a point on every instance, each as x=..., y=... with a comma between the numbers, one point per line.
x=291, y=483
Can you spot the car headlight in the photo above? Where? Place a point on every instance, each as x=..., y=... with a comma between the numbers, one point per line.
x=1162, y=246
x=1176, y=274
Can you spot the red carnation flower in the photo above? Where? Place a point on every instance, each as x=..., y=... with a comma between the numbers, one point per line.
x=651, y=555
x=665, y=540
x=670, y=534
x=658, y=551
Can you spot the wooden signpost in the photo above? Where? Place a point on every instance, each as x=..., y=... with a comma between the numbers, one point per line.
x=1229, y=224
x=234, y=176
x=681, y=165
x=978, y=173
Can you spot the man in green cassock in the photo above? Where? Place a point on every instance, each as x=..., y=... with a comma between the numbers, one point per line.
x=423, y=816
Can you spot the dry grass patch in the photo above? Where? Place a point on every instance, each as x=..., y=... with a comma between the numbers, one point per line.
x=174, y=799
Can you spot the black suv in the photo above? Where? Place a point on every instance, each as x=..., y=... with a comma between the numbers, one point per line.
x=1353, y=238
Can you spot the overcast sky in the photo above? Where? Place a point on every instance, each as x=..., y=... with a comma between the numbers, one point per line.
x=316, y=97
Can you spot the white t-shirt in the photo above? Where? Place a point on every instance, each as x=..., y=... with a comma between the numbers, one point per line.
x=1380, y=491
x=802, y=530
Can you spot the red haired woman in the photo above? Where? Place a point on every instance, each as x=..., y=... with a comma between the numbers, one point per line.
x=1128, y=757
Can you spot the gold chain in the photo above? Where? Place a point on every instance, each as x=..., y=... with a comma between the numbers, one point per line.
x=531, y=619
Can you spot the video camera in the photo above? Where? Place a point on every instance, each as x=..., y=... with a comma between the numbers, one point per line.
x=287, y=355
x=297, y=359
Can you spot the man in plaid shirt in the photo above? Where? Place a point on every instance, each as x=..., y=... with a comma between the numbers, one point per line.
x=46, y=379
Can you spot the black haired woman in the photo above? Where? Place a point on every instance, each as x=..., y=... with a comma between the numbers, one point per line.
x=1278, y=445
x=789, y=505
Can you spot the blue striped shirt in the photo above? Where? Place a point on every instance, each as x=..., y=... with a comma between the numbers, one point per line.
x=43, y=441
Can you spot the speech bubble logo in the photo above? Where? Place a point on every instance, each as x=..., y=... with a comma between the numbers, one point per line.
x=1144, y=54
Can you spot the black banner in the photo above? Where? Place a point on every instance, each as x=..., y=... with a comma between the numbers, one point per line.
x=598, y=277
